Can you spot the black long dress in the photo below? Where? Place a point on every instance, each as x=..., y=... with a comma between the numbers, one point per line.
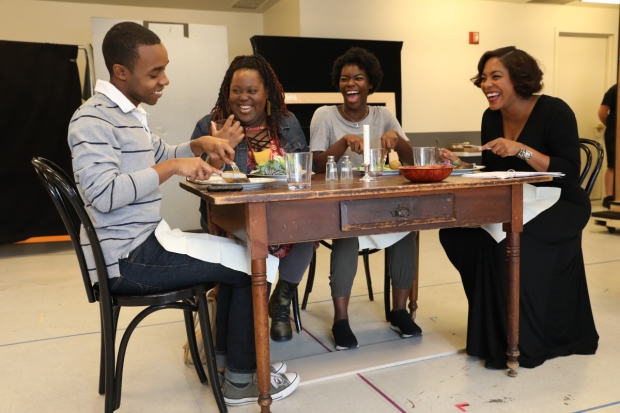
x=555, y=313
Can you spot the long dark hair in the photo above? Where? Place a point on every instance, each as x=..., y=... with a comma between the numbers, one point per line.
x=222, y=110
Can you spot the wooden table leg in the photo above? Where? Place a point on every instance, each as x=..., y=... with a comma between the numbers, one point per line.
x=261, y=332
x=513, y=255
x=513, y=231
x=256, y=228
x=413, y=293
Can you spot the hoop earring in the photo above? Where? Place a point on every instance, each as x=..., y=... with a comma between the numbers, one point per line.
x=268, y=108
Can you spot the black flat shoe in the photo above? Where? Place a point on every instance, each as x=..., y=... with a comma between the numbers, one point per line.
x=494, y=364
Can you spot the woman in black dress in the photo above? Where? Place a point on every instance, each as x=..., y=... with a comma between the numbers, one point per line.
x=527, y=132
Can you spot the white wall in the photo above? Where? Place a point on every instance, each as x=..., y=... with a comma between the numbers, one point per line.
x=282, y=19
x=69, y=23
x=437, y=61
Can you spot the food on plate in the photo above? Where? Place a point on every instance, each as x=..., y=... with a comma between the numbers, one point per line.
x=458, y=164
x=271, y=167
x=395, y=164
x=234, y=177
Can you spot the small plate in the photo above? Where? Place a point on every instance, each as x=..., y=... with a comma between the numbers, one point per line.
x=386, y=172
x=255, y=183
x=457, y=172
x=276, y=177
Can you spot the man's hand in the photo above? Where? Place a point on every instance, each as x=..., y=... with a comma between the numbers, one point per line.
x=216, y=148
x=355, y=143
x=232, y=131
x=193, y=168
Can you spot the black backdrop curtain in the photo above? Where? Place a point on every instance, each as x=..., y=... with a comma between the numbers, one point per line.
x=304, y=64
x=39, y=91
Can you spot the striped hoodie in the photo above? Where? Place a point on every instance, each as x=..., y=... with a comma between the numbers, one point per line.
x=113, y=154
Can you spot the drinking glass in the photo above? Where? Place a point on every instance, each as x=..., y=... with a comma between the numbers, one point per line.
x=425, y=156
x=298, y=170
x=377, y=161
x=219, y=124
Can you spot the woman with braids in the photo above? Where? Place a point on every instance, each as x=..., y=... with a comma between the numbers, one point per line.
x=252, y=96
x=337, y=131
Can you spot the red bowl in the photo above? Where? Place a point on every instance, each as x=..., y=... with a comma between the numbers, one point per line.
x=433, y=173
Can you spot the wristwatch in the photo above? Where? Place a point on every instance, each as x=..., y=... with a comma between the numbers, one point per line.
x=524, y=154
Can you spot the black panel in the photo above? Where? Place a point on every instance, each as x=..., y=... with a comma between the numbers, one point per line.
x=304, y=64
x=40, y=89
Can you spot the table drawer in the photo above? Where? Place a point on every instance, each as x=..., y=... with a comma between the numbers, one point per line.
x=396, y=212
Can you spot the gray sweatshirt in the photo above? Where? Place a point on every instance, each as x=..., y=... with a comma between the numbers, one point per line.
x=113, y=154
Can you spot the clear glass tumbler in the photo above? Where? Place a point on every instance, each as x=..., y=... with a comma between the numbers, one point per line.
x=298, y=169
x=331, y=170
x=346, y=170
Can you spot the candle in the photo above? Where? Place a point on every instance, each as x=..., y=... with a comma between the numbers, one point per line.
x=366, y=144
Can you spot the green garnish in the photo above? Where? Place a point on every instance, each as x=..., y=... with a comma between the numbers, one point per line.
x=271, y=167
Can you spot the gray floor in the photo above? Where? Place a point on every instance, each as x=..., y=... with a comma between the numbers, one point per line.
x=49, y=346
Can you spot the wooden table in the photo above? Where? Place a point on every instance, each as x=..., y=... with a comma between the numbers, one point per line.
x=331, y=209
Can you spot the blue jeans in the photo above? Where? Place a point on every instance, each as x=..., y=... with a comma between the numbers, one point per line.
x=150, y=268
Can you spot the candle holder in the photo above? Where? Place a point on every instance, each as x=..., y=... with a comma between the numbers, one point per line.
x=367, y=178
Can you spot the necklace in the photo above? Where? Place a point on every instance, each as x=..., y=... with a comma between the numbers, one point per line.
x=357, y=123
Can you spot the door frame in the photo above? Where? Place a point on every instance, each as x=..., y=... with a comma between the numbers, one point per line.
x=610, y=64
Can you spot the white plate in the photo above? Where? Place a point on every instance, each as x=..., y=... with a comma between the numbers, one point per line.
x=276, y=177
x=457, y=172
x=254, y=183
x=386, y=172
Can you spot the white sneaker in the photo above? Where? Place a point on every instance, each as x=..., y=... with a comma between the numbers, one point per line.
x=279, y=367
x=282, y=385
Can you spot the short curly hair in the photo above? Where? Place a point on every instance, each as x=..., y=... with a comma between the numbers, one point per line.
x=121, y=43
x=523, y=69
x=363, y=59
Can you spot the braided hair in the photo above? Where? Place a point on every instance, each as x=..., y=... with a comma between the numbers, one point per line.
x=222, y=110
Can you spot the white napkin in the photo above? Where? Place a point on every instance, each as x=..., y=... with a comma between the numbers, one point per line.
x=218, y=250
x=535, y=201
x=380, y=241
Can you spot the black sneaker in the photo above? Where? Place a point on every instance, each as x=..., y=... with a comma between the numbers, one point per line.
x=402, y=322
x=607, y=201
x=343, y=336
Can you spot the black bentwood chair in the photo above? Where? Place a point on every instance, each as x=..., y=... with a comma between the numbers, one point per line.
x=71, y=208
x=600, y=155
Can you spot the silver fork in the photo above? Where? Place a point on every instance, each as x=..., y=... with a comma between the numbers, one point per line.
x=235, y=167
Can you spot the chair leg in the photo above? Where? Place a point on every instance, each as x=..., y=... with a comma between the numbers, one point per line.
x=296, y=314
x=207, y=339
x=386, y=286
x=108, y=327
x=309, y=281
x=102, y=361
x=193, y=348
x=413, y=294
x=371, y=296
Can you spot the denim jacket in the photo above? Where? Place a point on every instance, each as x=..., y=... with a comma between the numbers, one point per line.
x=293, y=140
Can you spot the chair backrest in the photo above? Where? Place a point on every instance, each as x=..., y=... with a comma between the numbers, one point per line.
x=65, y=196
x=600, y=155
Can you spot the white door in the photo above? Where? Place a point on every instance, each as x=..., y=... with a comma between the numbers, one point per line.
x=582, y=77
x=198, y=56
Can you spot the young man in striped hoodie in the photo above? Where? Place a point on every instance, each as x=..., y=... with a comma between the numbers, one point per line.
x=118, y=165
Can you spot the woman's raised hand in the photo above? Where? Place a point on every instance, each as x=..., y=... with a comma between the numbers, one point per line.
x=232, y=131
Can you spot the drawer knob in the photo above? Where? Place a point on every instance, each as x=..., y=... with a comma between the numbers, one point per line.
x=400, y=211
